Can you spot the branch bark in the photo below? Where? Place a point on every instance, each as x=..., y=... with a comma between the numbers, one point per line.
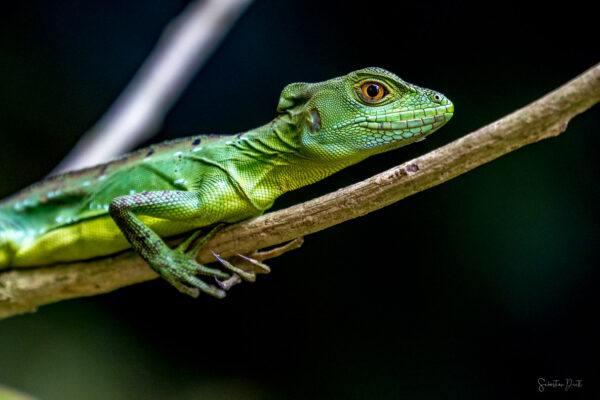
x=24, y=290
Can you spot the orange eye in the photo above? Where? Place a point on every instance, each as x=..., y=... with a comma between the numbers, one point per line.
x=372, y=91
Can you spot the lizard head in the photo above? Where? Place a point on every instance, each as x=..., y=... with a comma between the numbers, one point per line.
x=366, y=112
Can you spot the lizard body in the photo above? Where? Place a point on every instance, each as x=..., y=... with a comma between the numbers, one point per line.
x=184, y=184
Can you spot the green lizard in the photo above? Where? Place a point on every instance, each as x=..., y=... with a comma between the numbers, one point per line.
x=181, y=185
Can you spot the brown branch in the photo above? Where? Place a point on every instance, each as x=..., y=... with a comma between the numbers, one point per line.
x=24, y=290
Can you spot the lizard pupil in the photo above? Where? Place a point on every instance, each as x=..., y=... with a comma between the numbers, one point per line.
x=373, y=90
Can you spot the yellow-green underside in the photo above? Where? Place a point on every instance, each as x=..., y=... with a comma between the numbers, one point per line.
x=95, y=237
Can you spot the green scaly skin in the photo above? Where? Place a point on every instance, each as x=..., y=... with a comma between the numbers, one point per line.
x=181, y=185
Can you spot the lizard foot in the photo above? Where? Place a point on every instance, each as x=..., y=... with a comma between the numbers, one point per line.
x=180, y=268
x=247, y=275
x=247, y=266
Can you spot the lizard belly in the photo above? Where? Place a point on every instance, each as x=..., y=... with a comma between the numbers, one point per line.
x=88, y=239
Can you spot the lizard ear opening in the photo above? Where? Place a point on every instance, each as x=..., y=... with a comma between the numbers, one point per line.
x=292, y=95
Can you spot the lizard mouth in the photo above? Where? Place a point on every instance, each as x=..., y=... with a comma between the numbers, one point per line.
x=397, y=125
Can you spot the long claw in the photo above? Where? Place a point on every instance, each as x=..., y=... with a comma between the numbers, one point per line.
x=263, y=268
x=277, y=251
x=249, y=276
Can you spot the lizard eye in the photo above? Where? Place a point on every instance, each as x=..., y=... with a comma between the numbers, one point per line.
x=437, y=98
x=372, y=91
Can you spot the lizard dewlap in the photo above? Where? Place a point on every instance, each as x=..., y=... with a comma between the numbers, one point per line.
x=181, y=185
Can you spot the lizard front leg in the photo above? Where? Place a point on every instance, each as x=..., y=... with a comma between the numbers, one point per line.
x=177, y=266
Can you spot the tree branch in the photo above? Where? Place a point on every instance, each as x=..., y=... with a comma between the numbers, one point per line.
x=186, y=43
x=25, y=290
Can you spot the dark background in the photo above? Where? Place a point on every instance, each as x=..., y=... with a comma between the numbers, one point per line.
x=471, y=290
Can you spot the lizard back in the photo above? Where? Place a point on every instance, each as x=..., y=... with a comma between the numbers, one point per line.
x=66, y=215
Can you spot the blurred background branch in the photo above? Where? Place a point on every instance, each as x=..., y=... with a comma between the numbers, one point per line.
x=185, y=45
x=24, y=290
